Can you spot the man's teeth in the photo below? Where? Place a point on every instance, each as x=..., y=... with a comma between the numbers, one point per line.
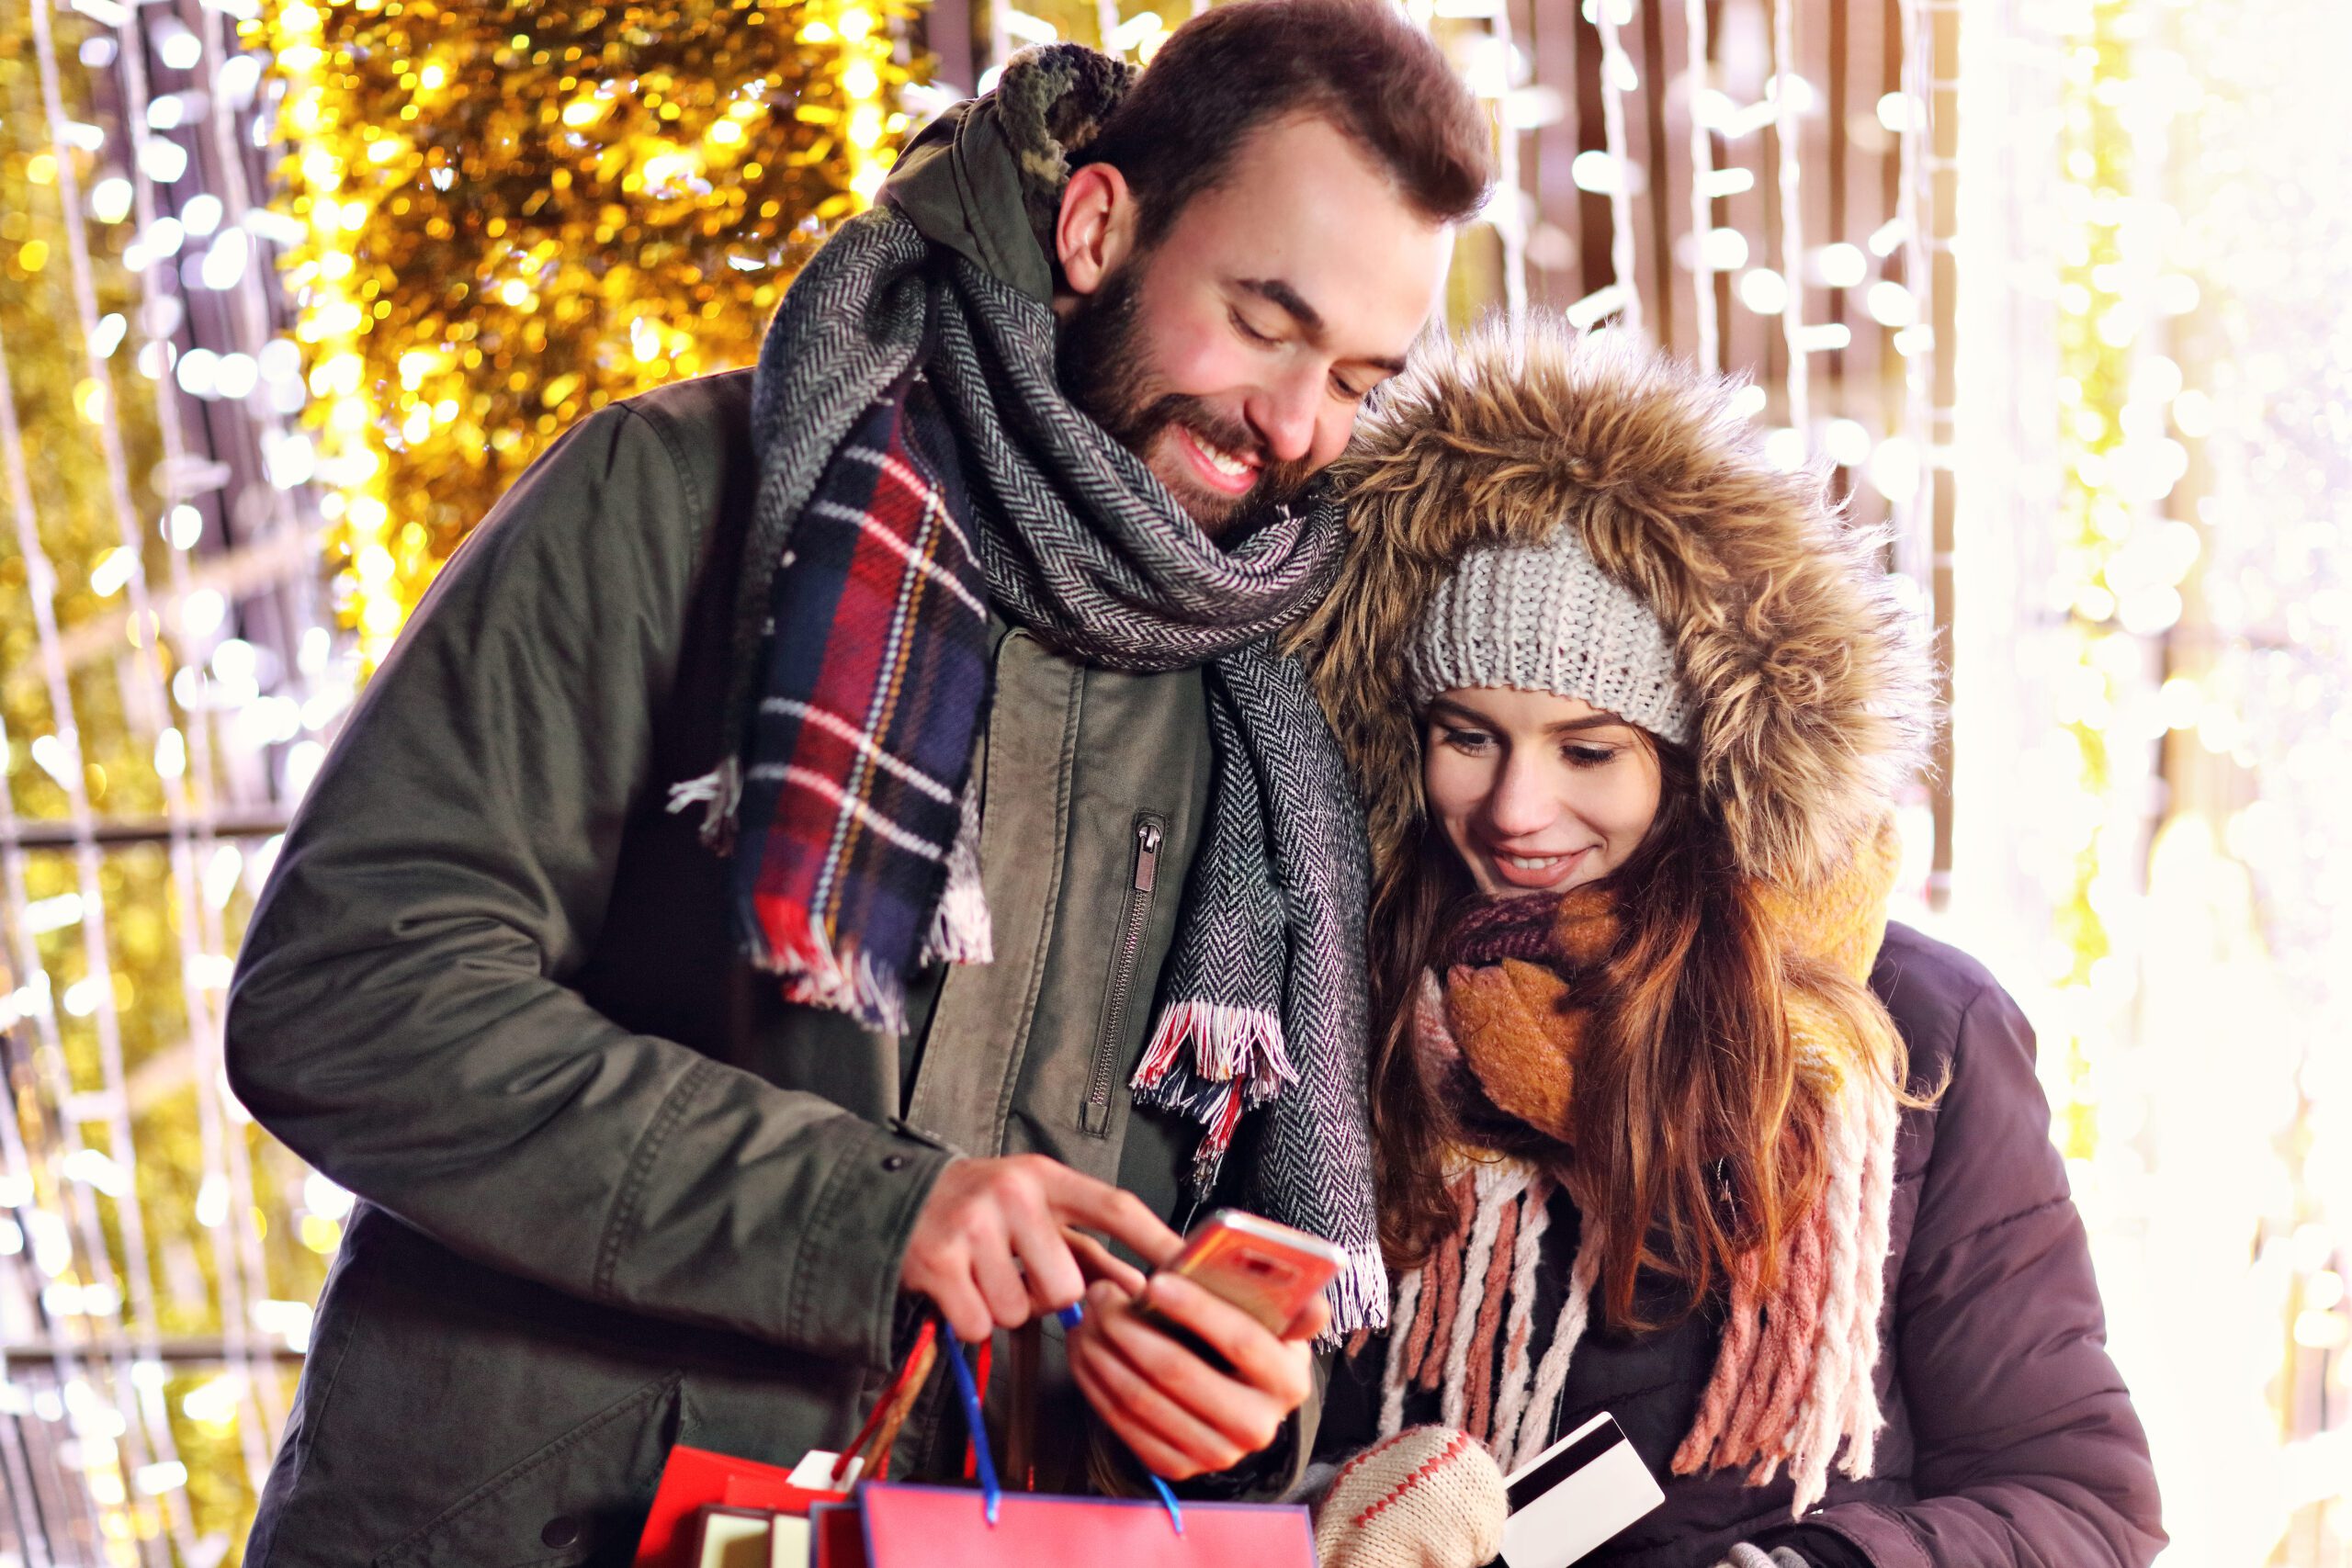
x=1535, y=862
x=1224, y=462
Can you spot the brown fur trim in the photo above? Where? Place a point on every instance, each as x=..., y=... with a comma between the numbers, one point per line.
x=1812, y=684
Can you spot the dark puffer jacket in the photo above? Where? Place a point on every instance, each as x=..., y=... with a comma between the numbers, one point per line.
x=2010, y=1440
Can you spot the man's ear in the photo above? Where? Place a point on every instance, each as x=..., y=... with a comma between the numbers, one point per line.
x=1097, y=227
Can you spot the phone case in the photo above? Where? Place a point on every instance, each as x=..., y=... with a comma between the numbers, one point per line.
x=1268, y=1270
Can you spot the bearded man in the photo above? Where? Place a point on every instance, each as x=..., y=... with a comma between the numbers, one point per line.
x=837, y=835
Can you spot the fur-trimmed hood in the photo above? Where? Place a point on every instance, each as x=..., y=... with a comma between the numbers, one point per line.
x=1810, y=680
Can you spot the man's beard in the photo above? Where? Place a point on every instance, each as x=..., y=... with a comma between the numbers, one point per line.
x=1105, y=371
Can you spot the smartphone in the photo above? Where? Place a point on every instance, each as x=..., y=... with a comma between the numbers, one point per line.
x=1267, y=1269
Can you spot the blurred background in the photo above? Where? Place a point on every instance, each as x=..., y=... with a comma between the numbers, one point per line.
x=290, y=289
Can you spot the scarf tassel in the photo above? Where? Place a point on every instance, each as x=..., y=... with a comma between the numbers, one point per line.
x=818, y=972
x=961, y=931
x=1358, y=1295
x=719, y=793
x=1237, y=1063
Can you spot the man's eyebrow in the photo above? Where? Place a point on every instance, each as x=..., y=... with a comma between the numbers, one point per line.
x=1274, y=291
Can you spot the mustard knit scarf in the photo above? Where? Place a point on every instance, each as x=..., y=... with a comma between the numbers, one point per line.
x=1793, y=1378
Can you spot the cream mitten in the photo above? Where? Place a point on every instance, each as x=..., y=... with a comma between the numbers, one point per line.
x=1747, y=1556
x=1428, y=1497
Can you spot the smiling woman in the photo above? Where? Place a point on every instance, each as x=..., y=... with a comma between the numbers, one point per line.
x=1537, y=793
x=1628, y=704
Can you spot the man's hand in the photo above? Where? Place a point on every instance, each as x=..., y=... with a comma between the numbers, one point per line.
x=992, y=1246
x=1180, y=1414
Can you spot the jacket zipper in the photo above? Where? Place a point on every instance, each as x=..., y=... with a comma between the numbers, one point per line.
x=1126, y=958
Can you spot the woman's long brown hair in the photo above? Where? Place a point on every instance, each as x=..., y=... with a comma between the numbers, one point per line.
x=1691, y=1147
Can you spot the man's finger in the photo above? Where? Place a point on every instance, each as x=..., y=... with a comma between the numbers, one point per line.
x=1097, y=1261
x=958, y=1300
x=1131, y=1395
x=1256, y=1356
x=1309, y=1324
x=1157, y=1455
x=1055, y=1281
x=1239, y=1410
x=1081, y=1200
x=1001, y=1286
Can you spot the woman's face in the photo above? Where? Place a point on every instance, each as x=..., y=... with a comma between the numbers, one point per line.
x=1537, y=793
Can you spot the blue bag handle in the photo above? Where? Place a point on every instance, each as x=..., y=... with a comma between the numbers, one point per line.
x=991, y=1493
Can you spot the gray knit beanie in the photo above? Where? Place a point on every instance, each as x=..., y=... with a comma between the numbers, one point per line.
x=1544, y=618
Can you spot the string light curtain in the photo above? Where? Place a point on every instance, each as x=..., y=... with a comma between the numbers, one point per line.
x=136, y=1391
x=2148, y=672
x=287, y=294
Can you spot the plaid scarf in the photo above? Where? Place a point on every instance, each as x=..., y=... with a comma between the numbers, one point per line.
x=857, y=801
x=871, y=551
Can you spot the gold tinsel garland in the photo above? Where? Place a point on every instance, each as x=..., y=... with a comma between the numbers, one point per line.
x=517, y=213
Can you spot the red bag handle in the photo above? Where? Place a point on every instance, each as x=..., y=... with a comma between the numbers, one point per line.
x=881, y=1433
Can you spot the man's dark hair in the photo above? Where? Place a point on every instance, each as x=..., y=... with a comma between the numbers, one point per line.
x=1359, y=64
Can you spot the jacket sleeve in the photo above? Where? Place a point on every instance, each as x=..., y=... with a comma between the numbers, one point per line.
x=400, y=1016
x=2028, y=1450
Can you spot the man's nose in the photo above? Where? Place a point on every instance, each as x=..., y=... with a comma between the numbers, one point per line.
x=1284, y=413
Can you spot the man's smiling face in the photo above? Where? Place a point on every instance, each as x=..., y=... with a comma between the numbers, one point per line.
x=1234, y=354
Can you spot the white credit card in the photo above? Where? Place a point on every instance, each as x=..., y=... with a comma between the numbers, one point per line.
x=1576, y=1494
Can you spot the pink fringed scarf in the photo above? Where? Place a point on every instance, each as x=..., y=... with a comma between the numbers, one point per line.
x=1793, y=1381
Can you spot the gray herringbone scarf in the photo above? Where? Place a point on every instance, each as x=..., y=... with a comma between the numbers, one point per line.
x=1262, y=1004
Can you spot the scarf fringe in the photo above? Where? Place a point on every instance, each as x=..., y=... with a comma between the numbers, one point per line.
x=1403, y=1328
x=1492, y=1187
x=817, y=973
x=1793, y=1381
x=719, y=793
x=1359, y=1295
x=1797, y=1386
x=961, y=931
x=1511, y=1402
x=1543, y=1404
x=1230, y=1045
x=1237, y=1063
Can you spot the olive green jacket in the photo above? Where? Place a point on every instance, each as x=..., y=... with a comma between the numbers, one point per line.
x=616, y=1192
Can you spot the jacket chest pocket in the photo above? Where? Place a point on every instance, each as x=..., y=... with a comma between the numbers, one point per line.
x=1119, y=1000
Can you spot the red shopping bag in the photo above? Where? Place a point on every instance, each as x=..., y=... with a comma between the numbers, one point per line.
x=915, y=1527
x=696, y=1481
x=889, y=1525
x=837, y=1536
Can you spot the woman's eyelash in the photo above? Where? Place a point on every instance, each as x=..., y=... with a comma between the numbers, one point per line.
x=1591, y=756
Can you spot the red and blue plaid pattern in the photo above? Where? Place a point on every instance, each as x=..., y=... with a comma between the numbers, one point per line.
x=874, y=671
